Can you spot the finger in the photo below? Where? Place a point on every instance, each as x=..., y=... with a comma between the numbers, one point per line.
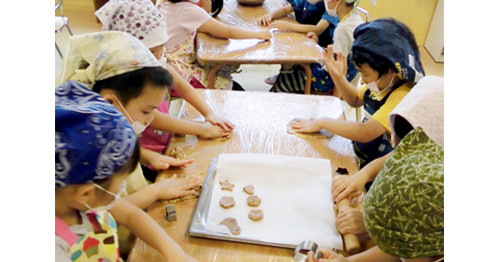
x=338, y=190
x=187, y=193
x=343, y=194
x=310, y=256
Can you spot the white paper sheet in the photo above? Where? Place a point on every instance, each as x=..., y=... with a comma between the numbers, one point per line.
x=296, y=199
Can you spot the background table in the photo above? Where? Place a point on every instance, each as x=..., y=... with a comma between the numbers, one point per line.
x=260, y=120
x=283, y=48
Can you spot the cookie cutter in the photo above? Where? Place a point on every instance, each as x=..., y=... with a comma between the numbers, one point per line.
x=171, y=213
x=303, y=248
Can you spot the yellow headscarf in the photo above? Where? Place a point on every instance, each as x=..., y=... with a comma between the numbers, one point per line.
x=97, y=56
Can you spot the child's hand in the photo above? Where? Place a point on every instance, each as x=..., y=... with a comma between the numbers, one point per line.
x=220, y=121
x=264, y=20
x=304, y=126
x=350, y=220
x=327, y=255
x=282, y=25
x=337, y=67
x=160, y=162
x=345, y=186
x=211, y=131
x=264, y=34
x=313, y=36
x=174, y=187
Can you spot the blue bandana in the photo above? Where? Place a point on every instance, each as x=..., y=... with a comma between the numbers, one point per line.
x=383, y=39
x=93, y=139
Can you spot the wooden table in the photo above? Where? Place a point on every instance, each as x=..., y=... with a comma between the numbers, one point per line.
x=283, y=48
x=260, y=120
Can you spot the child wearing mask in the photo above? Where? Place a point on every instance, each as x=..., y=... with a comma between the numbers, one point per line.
x=387, y=56
x=95, y=150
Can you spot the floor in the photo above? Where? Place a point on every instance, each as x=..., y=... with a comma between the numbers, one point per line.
x=251, y=77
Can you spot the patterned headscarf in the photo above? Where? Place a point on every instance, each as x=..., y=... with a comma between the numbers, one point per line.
x=97, y=56
x=139, y=18
x=403, y=211
x=385, y=39
x=93, y=139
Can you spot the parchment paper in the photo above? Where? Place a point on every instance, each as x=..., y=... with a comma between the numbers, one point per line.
x=296, y=198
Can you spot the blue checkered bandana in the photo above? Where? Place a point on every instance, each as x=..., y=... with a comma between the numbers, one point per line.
x=93, y=140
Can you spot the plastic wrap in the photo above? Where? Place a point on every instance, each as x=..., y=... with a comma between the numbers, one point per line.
x=282, y=48
x=260, y=120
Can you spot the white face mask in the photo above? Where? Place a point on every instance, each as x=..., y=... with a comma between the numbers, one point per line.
x=138, y=127
x=111, y=204
x=332, y=12
x=313, y=2
x=373, y=86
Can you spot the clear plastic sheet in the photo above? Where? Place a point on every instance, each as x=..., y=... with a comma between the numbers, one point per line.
x=260, y=120
x=283, y=47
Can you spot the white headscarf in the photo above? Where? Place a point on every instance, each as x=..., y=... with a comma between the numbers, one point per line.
x=98, y=56
x=422, y=107
x=139, y=18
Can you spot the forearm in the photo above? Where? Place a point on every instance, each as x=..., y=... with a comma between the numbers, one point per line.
x=373, y=254
x=144, y=197
x=318, y=29
x=145, y=228
x=346, y=91
x=145, y=156
x=187, y=92
x=172, y=124
x=355, y=131
x=370, y=171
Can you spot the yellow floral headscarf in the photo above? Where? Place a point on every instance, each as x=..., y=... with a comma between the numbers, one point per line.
x=97, y=56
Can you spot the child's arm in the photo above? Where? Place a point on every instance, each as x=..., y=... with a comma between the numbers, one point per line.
x=370, y=255
x=353, y=185
x=145, y=228
x=172, y=124
x=165, y=189
x=187, y=92
x=266, y=19
x=356, y=131
x=159, y=161
x=337, y=68
x=318, y=29
x=220, y=30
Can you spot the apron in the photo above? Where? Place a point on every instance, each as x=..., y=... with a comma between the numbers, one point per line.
x=381, y=145
x=101, y=244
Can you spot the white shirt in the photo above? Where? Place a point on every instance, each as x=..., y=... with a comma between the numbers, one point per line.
x=343, y=36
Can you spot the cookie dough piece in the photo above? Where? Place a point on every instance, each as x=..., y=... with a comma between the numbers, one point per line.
x=256, y=214
x=227, y=202
x=249, y=189
x=253, y=201
x=226, y=185
x=176, y=152
x=232, y=225
x=320, y=134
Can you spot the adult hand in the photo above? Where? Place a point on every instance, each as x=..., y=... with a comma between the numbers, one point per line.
x=211, y=131
x=174, y=187
x=335, y=66
x=307, y=126
x=326, y=256
x=264, y=20
x=220, y=121
x=345, y=186
x=160, y=162
x=350, y=220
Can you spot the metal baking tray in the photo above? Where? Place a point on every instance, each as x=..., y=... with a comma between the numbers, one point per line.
x=197, y=226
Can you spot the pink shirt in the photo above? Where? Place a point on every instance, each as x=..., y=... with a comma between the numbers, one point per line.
x=182, y=19
x=156, y=140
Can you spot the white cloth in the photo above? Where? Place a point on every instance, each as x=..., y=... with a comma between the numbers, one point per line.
x=343, y=36
x=423, y=107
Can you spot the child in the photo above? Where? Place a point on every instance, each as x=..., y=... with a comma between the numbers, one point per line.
x=123, y=71
x=142, y=19
x=312, y=17
x=183, y=20
x=95, y=150
x=404, y=210
x=387, y=56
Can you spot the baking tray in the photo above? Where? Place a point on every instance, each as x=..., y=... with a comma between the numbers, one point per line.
x=197, y=226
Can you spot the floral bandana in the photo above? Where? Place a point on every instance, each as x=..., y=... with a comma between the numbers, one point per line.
x=139, y=18
x=93, y=140
x=97, y=56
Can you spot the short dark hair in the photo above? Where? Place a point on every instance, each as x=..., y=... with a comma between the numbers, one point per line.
x=378, y=63
x=217, y=7
x=130, y=85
